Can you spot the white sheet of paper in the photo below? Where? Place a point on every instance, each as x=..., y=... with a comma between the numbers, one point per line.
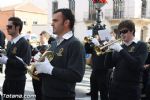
x=88, y=33
x=104, y=34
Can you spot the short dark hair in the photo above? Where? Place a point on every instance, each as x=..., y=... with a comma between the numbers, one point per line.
x=45, y=34
x=127, y=24
x=68, y=15
x=17, y=22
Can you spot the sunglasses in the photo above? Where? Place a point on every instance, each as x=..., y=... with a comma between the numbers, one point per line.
x=9, y=26
x=124, y=31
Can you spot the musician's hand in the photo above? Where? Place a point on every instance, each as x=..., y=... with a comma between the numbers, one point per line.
x=37, y=56
x=95, y=41
x=116, y=46
x=3, y=59
x=44, y=67
x=146, y=66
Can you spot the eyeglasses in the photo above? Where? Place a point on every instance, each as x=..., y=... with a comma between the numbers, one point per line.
x=124, y=31
x=9, y=26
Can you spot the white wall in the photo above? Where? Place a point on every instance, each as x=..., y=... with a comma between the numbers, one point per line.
x=148, y=9
x=63, y=4
x=107, y=9
x=137, y=32
x=137, y=9
x=81, y=9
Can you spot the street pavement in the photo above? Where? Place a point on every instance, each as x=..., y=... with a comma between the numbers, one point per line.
x=81, y=88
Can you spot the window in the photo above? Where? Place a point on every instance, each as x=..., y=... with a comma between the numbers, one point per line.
x=24, y=22
x=143, y=11
x=54, y=6
x=35, y=22
x=72, y=5
x=118, y=9
x=92, y=11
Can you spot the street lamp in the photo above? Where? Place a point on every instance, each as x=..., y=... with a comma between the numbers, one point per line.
x=98, y=5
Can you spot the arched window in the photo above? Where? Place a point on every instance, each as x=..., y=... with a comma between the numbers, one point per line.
x=54, y=5
x=92, y=11
x=118, y=8
x=72, y=5
x=143, y=10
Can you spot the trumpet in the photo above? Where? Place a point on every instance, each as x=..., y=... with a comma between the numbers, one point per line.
x=88, y=39
x=103, y=49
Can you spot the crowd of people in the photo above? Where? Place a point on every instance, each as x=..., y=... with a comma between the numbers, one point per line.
x=116, y=74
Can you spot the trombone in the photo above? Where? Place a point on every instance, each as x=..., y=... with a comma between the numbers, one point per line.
x=103, y=49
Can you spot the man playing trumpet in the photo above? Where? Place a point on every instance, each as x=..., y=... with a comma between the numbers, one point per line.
x=128, y=60
x=99, y=76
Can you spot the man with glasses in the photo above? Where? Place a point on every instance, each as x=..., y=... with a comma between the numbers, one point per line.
x=17, y=57
x=128, y=60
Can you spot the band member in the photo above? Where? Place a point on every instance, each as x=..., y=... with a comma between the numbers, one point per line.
x=67, y=67
x=37, y=84
x=2, y=46
x=2, y=39
x=18, y=51
x=128, y=60
x=146, y=77
x=51, y=39
x=99, y=76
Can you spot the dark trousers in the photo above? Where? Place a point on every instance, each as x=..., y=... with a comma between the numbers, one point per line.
x=147, y=90
x=57, y=98
x=145, y=79
x=124, y=91
x=99, y=83
x=1, y=68
x=13, y=89
x=37, y=86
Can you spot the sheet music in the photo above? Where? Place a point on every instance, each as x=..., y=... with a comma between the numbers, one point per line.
x=88, y=33
x=104, y=34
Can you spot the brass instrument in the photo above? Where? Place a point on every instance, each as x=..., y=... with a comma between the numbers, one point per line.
x=3, y=51
x=88, y=39
x=32, y=71
x=103, y=49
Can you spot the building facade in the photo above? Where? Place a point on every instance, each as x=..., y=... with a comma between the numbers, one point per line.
x=136, y=10
x=112, y=13
x=30, y=14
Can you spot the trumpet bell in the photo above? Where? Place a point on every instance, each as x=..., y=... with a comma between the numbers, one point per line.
x=88, y=39
x=49, y=55
x=98, y=50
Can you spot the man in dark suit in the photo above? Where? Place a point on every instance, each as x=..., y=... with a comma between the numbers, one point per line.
x=128, y=60
x=17, y=57
x=2, y=39
x=100, y=74
x=2, y=46
x=67, y=67
x=37, y=84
